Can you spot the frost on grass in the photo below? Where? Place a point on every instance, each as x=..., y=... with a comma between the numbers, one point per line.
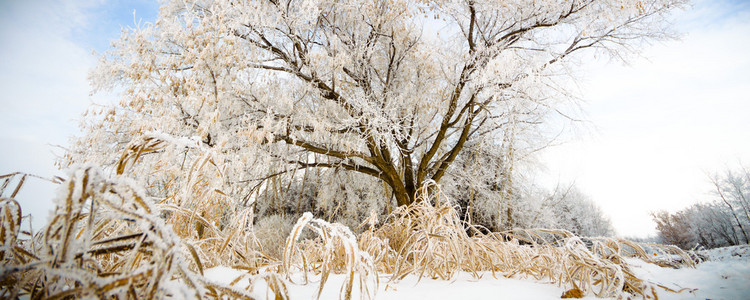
x=429, y=240
x=335, y=250
x=271, y=233
x=107, y=238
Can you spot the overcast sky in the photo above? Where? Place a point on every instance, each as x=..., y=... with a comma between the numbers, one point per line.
x=664, y=121
x=658, y=124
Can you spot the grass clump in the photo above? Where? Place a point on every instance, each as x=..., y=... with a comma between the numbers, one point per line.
x=108, y=239
x=335, y=250
x=429, y=239
x=271, y=232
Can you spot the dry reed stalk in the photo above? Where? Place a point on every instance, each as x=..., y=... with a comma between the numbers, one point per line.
x=198, y=209
x=429, y=239
x=108, y=239
x=334, y=251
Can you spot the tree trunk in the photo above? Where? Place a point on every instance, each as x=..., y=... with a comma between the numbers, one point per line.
x=402, y=198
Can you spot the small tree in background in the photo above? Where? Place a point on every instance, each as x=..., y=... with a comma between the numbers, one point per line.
x=674, y=229
x=733, y=191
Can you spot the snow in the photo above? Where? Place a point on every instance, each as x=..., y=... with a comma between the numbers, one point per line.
x=726, y=275
x=466, y=287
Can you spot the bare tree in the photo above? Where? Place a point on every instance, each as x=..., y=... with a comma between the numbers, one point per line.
x=732, y=190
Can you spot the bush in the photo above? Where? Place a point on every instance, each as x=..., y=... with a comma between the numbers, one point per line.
x=271, y=232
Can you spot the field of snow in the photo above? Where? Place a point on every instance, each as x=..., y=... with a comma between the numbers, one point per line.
x=725, y=275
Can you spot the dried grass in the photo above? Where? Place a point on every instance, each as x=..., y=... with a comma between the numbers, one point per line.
x=107, y=239
x=335, y=250
x=104, y=240
x=429, y=239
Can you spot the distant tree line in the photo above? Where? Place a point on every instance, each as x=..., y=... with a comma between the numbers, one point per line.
x=723, y=221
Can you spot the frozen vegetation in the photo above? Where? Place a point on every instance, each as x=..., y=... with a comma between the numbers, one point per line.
x=725, y=275
x=722, y=221
x=107, y=238
x=369, y=149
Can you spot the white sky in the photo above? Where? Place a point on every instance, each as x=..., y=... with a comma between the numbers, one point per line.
x=660, y=123
x=45, y=53
x=665, y=120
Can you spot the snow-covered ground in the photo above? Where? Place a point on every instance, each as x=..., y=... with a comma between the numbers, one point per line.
x=726, y=275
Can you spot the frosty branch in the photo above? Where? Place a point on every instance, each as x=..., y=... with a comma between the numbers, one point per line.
x=395, y=90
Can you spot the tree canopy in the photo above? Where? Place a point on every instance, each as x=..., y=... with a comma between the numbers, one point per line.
x=393, y=93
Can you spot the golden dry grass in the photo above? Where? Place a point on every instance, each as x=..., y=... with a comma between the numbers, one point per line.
x=104, y=240
x=108, y=239
x=335, y=250
x=428, y=239
x=432, y=240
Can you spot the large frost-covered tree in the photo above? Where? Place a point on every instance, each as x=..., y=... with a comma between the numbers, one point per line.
x=393, y=93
